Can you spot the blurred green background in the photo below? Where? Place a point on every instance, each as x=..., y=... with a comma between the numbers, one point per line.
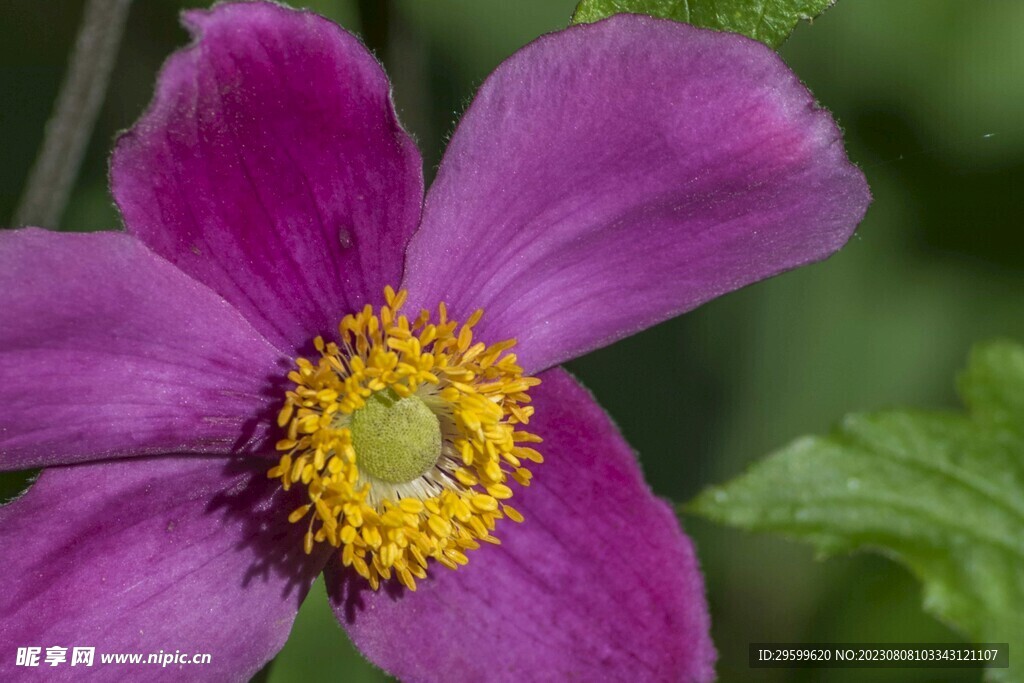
x=931, y=95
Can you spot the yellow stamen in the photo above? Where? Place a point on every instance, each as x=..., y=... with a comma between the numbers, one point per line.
x=384, y=527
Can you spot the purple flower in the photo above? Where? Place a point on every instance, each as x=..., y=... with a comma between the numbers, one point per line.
x=605, y=178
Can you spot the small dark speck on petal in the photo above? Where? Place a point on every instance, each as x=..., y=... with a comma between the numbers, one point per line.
x=170, y=525
x=195, y=250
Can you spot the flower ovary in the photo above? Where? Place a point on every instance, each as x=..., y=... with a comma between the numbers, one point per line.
x=396, y=439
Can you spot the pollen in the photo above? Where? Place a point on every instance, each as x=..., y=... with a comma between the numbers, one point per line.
x=405, y=435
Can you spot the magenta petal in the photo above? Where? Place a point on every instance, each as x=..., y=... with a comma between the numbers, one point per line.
x=191, y=554
x=610, y=176
x=271, y=167
x=108, y=350
x=598, y=583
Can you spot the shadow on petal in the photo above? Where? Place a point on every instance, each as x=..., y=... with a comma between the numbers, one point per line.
x=260, y=507
x=185, y=553
x=350, y=593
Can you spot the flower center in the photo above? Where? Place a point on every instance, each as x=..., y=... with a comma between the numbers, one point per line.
x=405, y=434
x=398, y=439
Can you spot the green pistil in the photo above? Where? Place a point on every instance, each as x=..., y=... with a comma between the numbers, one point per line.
x=395, y=439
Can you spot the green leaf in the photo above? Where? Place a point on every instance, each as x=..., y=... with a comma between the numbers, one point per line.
x=770, y=21
x=943, y=493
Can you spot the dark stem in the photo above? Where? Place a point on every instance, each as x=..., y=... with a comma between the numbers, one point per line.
x=74, y=114
x=375, y=15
